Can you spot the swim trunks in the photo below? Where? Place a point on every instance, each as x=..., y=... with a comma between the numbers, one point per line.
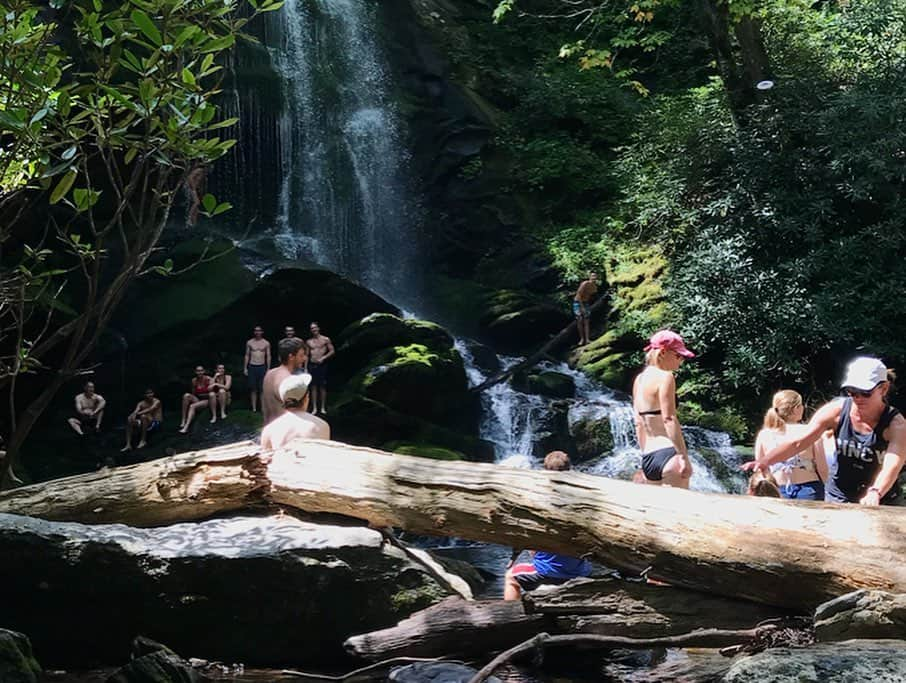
x=318, y=372
x=653, y=463
x=256, y=377
x=580, y=309
x=155, y=424
x=529, y=578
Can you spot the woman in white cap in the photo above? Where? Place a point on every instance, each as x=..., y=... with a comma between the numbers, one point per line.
x=665, y=459
x=870, y=437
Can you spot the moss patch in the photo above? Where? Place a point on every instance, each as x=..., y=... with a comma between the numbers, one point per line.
x=722, y=420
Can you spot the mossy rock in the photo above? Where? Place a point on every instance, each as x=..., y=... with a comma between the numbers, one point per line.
x=359, y=341
x=427, y=382
x=362, y=421
x=17, y=663
x=551, y=384
x=516, y=321
x=423, y=450
x=721, y=420
x=731, y=478
x=593, y=438
x=612, y=359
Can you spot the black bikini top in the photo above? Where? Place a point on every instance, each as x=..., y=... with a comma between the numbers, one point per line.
x=650, y=412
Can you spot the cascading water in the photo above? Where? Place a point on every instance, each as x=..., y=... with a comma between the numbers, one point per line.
x=344, y=201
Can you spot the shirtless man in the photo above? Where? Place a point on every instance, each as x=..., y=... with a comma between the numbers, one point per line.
x=586, y=292
x=320, y=348
x=89, y=408
x=257, y=361
x=295, y=423
x=289, y=332
x=147, y=416
x=293, y=354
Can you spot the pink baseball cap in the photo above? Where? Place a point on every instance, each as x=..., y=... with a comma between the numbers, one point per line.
x=667, y=339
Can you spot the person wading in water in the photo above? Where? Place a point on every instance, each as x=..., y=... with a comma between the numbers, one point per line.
x=665, y=459
x=870, y=437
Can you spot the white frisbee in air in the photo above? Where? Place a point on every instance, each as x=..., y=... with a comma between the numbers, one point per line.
x=764, y=85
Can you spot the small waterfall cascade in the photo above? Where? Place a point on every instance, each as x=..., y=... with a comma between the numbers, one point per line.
x=344, y=198
x=511, y=420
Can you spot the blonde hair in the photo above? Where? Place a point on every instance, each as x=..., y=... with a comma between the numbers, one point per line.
x=782, y=407
x=652, y=356
x=763, y=485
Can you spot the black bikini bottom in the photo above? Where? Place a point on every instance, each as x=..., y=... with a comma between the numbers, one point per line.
x=653, y=463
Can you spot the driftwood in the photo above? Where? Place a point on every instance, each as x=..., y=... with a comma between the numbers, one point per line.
x=529, y=361
x=591, y=606
x=453, y=627
x=784, y=553
x=711, y=638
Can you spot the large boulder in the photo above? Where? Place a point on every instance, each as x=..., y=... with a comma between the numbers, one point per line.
x=17, y=663
x=261, y=590
x=518, y=322
x=546, y=383
x=155, y=663
x=845, y=662
x=435, y=672
x=593, y=437
x=862, y=614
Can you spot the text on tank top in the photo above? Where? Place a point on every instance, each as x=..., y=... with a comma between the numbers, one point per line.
x=858, y=456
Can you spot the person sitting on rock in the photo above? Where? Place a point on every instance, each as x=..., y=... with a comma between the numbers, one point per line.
x=201, y=396
x=147, y=417
x=89, y=408
x=296, y=422
x=545, y=568
x=222, y=385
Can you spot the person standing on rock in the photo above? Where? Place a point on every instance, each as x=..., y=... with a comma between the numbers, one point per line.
x=89, y=408
x=584, y=296
x=293, y=355
x=545, y=568
x=665, y=458
x=295, y=423
x=320, y=349
x=802, y=476
x=870, y=437
x=147, y=417
x=257, y=362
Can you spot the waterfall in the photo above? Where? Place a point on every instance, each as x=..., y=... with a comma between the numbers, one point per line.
x=510, y=420
x=344, y=196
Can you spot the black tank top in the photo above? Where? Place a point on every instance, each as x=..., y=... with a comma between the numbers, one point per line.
x=858, y=456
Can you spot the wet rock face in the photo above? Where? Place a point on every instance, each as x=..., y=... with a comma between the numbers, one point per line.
x=550, y=384
x=844, y=662
x=268, y=590
x=593, y=437
x=435, y=672
x=17, y=663
x=862, y=614
x=155, y=663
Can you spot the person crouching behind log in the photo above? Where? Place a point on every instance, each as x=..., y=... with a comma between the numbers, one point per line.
x=870, y=437
x=802, y=476
x=296, y=422
x=665, y=459
x=545, y=567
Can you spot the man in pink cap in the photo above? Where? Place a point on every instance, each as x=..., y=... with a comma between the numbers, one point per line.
x=665, y=458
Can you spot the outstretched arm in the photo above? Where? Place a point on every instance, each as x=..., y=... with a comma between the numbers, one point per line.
x=826, y=418
x=894, y=458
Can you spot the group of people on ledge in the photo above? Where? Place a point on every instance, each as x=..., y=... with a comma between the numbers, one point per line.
x=306, y=359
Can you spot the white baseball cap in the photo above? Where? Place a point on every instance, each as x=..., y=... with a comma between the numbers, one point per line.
x=864, y=374
x=294, y=387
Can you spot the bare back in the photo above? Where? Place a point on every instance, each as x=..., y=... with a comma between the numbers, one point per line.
x=291, y=426
x=651, y=403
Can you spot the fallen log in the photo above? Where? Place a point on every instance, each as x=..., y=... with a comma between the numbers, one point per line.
x=180, y=488
x=591, y=606
x=794, y=555
x=453, y=628
x=783, y=553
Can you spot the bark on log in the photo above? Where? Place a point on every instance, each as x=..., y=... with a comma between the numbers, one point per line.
x=784, y=553
x=451, y=628
x=589, y=606
x=181, y=488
